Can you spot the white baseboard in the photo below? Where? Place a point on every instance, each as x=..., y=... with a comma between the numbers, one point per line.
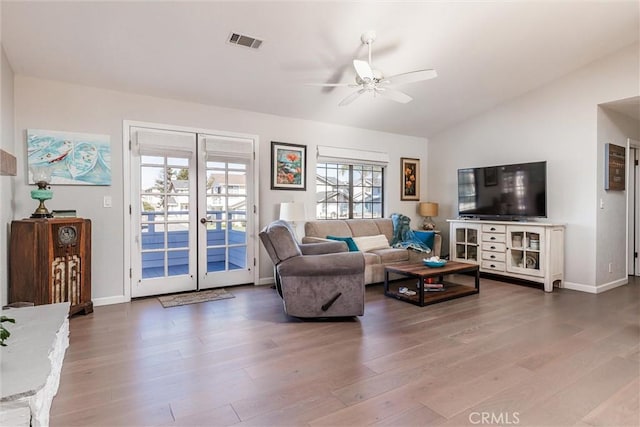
x=119, y=299
x=579, y=287
x=595, y=289
x=614, y=284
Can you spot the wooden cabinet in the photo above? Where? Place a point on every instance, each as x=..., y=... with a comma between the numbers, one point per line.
x=50, y=262
x=523, y=250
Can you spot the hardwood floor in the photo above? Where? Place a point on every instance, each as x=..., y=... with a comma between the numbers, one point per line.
x=511, y=355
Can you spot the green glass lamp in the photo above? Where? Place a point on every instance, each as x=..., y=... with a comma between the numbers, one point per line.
x=42, y=178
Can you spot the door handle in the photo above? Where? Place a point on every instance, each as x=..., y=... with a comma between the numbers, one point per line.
x=205, y=220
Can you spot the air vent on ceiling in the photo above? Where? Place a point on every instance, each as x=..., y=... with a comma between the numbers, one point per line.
x=246, y=41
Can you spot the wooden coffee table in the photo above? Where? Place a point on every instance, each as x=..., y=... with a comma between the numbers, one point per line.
x=421, y=272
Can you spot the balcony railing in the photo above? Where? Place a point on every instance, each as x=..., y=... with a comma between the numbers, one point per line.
x=219, y=256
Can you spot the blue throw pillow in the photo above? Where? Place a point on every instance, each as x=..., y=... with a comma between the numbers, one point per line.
x=348, y=240
x=426, y=237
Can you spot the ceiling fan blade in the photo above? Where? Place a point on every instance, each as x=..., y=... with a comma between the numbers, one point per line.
x=332, y=84
x=363, y=69
x=349, y=99
x=411, y=77
x=394, y=95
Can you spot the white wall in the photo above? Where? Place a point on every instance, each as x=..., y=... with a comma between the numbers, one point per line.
x=556, y=123
x=6, y=182
x=43, y=104
x=613, y=128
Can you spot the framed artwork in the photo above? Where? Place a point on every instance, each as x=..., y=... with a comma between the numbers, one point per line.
x=614, y=167
x=71, y=158
x=409, y=179
x=288, y=166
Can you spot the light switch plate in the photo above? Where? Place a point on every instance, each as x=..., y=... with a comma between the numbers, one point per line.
x=106, y=202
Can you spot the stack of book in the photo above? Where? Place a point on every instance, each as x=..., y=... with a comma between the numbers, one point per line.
x=433, y=287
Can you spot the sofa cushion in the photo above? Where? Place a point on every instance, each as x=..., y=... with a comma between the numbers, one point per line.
x=427, y=237
x=348, y=240
x=385, y=225
x=327, y=227
x=369, y=243
x=371, y=258
x=392, y=255
x=363, y=227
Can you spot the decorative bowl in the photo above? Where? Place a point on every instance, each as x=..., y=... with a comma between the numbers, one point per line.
x=434, y=264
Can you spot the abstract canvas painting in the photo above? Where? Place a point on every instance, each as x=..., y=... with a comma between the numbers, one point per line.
x=72, y=158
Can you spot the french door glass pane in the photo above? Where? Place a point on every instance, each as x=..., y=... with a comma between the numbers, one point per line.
x=164, y=222
x=227, y=211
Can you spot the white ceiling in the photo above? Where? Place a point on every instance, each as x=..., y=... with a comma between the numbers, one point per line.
x=484, y=52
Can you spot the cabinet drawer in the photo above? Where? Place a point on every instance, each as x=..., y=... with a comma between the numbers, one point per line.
x=494, y=228
x=494, y=256
x=493, y=266
x=497, y=247
x=493, y=237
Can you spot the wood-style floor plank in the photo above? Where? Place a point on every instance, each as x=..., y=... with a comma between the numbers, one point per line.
x=561, y=358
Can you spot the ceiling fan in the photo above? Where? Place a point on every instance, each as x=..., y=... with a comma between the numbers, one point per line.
x=369, y=79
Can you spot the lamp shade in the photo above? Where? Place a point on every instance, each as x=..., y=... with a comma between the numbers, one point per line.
x=291, y=211
x=428, y=209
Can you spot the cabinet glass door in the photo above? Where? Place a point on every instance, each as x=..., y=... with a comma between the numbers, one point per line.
x=466, y=244
x=525, y=250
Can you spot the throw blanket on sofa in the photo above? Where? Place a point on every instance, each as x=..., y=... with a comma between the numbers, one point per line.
x=404, y=237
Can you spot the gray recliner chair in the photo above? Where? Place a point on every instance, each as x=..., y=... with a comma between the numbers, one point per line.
x=315, y=279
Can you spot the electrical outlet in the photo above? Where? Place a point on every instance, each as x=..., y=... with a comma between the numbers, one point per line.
x=106, y=202
x=610, y=267
x=601, y=204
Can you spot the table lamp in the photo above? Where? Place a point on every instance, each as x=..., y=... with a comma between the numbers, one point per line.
x=42, y=178
x=292, y=212
x=427, y=210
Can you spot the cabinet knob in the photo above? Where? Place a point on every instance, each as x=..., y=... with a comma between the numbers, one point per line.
x=493, y=238
x=493, y=247
x=493, y=256
x=493, y=266
x=493, y=229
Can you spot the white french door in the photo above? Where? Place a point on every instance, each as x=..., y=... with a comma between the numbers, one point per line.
x=192, y=200
x=225, y=207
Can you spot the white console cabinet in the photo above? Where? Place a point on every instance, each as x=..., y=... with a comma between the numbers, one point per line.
x=524, y=250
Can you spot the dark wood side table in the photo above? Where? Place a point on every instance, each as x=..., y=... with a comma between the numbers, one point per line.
x=419, y=272
x=50, y=262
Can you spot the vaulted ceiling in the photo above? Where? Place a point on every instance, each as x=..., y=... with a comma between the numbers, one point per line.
x=484, y=52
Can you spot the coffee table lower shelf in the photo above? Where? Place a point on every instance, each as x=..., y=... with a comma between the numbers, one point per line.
x=417, y=275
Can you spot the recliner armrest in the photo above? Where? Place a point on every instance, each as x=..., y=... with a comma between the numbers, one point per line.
x=323, y=248
x=336, y=264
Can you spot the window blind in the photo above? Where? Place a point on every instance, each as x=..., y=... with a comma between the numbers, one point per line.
x=328, y=154
x=170, y=144
x=227, y=147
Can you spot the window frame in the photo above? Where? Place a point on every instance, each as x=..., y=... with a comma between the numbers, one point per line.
x=352, y=169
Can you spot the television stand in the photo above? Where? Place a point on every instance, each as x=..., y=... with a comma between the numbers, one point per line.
x=532, y=251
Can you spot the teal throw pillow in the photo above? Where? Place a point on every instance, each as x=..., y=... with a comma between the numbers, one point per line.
x=426, y=237
x=348, y=240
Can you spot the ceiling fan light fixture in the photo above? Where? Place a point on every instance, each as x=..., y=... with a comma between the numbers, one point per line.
x=373, y=80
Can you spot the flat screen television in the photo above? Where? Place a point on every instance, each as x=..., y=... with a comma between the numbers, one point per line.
x=506, y=192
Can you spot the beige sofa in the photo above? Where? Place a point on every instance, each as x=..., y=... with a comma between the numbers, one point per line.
x=375, y=260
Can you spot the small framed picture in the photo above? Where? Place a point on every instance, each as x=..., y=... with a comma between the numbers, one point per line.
x=614, y=167
x=288, y=166
x=409, y=179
